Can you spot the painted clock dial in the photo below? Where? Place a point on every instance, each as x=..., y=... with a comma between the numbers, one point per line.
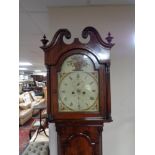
x=78, y=85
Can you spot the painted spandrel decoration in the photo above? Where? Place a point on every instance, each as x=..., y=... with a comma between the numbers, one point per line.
x=77, y=62
x=78, y=85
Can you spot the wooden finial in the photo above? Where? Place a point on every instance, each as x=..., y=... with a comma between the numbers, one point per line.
x=44, y=40
x=109, y=38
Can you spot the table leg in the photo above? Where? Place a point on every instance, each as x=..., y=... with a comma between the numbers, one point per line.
x=30, y=134
x=44, y=131
x=40, y=128
x=36, y=134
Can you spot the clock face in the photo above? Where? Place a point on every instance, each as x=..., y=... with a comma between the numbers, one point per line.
x=78, y=85
x=78, y=91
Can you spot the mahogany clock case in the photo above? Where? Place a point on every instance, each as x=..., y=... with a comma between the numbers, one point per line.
x=78, y=132
x=98, y=51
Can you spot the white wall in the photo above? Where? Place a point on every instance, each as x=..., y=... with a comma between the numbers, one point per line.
x=118, y=136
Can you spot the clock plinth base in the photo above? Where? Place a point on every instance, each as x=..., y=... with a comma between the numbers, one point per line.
x=80, y=138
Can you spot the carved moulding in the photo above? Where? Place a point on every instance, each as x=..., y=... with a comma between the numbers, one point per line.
x=95, y=45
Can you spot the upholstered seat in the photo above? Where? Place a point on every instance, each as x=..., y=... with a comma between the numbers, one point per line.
x=33, y=104
x=40, y=146
x=37, y=148
x=27, y=103
x=25, y=111
x=24, y=115
x=37, y=100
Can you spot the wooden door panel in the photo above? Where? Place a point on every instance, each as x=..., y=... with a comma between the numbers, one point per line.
x=79, y=146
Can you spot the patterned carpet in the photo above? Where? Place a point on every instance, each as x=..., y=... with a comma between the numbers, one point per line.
x=24, y=135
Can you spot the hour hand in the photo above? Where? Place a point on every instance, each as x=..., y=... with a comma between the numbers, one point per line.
x=78, y=84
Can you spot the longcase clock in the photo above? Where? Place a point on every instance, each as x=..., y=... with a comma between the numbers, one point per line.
x=78, y=90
